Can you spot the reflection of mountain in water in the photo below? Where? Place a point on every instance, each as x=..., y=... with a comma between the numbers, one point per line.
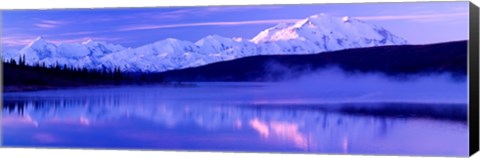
x=302, y=126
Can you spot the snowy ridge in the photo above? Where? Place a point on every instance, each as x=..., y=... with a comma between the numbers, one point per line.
x=317, y=33
x=86, y=54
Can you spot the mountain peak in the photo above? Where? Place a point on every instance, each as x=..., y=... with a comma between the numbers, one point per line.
x=89, y=41
x=39, y=39
x=330, y=33
x=324, y=19
x=38, y=42
x=171, y=40
x=315, y=16
x=237, y=39
x=321, y=16
x=214, y=36
x=213, y=39
x=346, y=19
x=288, y=31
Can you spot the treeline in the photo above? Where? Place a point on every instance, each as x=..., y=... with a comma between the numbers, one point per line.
x=21, y=76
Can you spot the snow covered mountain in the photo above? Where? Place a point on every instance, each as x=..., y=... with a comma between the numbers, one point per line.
x=86, y=54
x=8, y=54
x=317, y=33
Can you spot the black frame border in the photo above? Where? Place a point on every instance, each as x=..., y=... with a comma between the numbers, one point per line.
x=473, y=72
x=473, y=76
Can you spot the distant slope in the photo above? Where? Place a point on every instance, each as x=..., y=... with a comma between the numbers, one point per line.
x=448, y=57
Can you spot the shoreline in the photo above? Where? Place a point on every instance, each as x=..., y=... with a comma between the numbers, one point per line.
x=33, y=88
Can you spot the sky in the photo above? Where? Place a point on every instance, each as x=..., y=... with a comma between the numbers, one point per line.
x=418, y=23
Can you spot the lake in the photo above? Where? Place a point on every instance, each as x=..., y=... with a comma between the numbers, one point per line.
x=238, y=117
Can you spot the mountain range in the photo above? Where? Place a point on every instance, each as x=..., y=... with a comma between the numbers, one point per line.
x=314, y=34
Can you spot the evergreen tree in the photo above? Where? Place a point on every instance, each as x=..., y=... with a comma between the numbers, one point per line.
x=23, y=60
x=13, y=62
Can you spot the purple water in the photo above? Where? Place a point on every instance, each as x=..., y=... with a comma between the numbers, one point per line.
x=256, y=117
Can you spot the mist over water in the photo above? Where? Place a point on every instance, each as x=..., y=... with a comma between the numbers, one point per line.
x=328, y=111
x=335, y=85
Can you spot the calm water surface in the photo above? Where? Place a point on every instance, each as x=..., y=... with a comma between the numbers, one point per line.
x=219, y=117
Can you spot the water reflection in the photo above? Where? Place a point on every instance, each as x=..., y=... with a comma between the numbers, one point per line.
x=156, y=121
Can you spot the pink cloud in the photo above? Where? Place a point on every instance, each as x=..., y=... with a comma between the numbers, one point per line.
x=79, y=40
x=237, y=8
x=219, y=23
x=176, y=14
x=15, y=41
x=424, y=17
x=53, y=22
x=81, y=33
x=420, y=18
x=47, y=24
x=41, y=25
x=10, y=41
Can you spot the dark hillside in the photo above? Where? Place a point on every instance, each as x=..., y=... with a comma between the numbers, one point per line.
x=448, y=57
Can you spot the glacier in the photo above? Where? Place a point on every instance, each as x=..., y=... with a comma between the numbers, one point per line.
x=315, y=34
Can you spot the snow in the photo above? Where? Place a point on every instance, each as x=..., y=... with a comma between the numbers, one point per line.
x=74, y=51
x=314, y=34
x=100, y=48
x=321, y=32
x=9, y=54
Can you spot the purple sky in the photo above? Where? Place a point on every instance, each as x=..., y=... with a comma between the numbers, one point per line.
x=419, y=23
